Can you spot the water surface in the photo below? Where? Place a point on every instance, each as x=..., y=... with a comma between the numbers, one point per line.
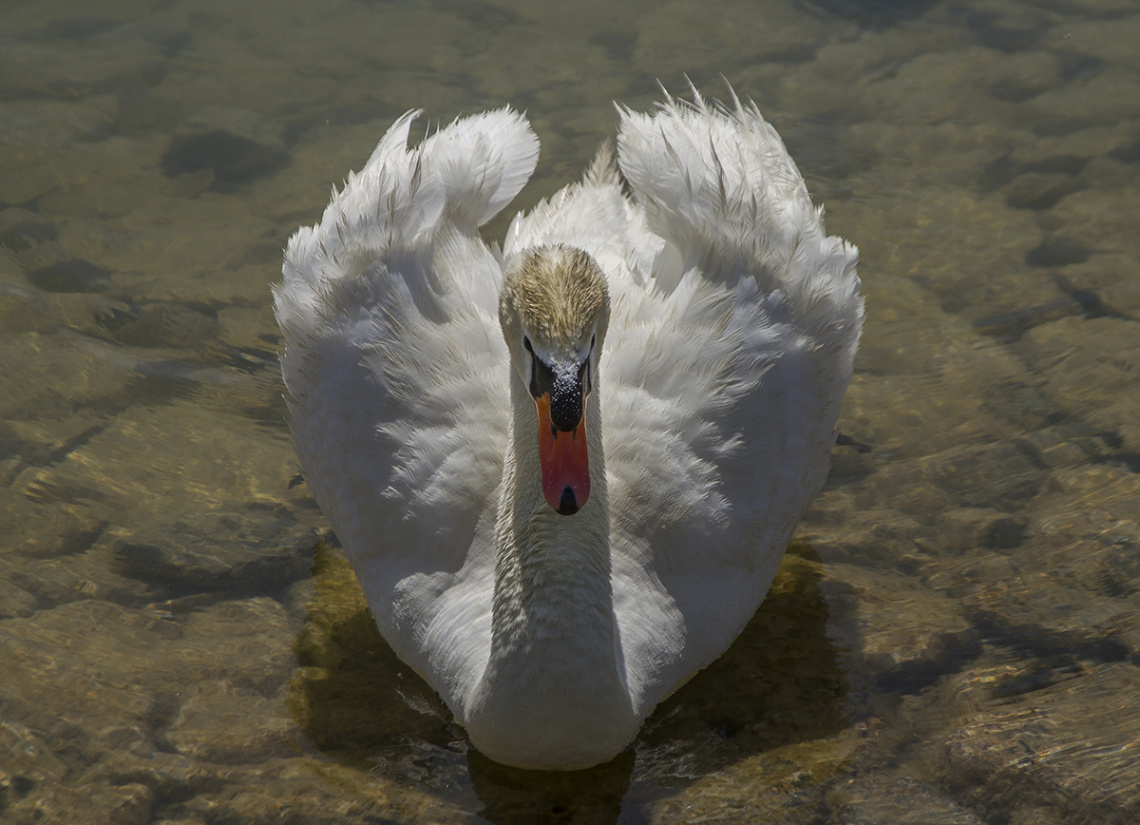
x=954, y=635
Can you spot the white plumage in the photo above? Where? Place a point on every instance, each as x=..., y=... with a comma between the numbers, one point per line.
x=732, y=325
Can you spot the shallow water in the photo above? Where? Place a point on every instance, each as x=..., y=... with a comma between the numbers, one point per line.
x=954, y=637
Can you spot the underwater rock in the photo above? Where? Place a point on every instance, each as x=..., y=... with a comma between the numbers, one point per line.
x=236, y=146
x=79, y=577
x=972, y=528
x=903, y=636
x=1071, y=749
x=14, y=601
x=258, y=550
x=161, y=324
x=101, y=804
x=223, y=724
x=85, y=375
x=71, y=275
x=903, y=801
x=1039, y=190
x=789, y=35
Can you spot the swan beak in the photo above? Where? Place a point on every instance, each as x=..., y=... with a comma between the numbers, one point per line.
x=565, y=463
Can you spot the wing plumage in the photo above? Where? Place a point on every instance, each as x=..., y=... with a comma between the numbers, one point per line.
x=733, y=328
x=733, y=331
x=394, y=364
x=726, y=381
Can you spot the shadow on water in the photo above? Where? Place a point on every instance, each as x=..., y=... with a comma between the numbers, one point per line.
x=767, y=713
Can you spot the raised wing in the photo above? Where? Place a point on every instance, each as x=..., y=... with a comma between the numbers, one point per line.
x=725, y=368
x=394, y=363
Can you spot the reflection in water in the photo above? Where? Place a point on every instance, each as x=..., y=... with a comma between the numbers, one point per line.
x=772, y=705
x=511, y=796
x=352, y=697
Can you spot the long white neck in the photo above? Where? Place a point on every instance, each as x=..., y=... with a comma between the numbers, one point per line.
x=554, y=683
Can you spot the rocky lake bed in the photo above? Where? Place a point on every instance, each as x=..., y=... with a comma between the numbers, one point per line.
x=954, y=636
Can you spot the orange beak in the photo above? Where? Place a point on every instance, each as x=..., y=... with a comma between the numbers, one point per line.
x=564, y=461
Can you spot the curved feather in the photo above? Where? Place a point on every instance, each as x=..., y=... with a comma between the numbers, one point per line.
x=734, y=322
x=725, y=375
x=734, y=327
x=396, y=369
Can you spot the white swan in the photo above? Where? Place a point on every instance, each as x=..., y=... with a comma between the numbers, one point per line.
x=555, y=573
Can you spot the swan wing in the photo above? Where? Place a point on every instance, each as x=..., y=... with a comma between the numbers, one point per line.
x=729, y=353
x=396, y=373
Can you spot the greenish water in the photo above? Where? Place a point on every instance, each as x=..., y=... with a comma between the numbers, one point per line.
x=954, y=637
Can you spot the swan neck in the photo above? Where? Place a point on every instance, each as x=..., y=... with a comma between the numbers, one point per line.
x=554, y=681
x=550, y=568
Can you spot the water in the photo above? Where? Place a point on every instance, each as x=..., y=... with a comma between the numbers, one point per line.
x=954, y=636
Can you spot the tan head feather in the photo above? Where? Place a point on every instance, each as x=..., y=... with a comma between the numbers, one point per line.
x=558, y=294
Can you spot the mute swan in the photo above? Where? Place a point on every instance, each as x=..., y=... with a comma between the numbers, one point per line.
x=565, y=474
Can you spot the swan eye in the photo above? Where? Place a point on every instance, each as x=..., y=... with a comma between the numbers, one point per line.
x=584, y=376
x=532, y=366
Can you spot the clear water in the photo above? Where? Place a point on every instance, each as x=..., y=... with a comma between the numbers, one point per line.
x=954, y=637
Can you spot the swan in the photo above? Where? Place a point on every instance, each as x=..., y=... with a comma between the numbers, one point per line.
x=565, y=473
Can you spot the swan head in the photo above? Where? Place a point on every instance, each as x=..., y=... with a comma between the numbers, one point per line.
x=554, y=308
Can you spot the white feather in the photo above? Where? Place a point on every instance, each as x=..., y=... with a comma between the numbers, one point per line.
x=733, y=328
